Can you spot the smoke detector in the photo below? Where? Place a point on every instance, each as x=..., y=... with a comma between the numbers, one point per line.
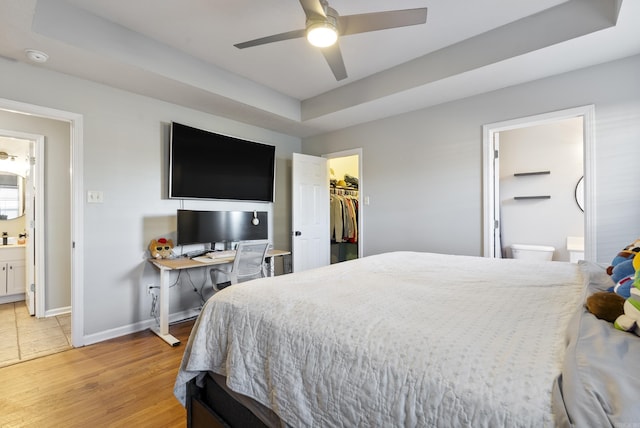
x=36, y=56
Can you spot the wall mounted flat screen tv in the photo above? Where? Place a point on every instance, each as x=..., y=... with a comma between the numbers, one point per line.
x=206, y=165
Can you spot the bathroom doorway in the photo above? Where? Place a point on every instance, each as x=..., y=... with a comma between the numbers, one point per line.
x=540, y=167
x=535, y=186
x=62, y=240
x=21, y=213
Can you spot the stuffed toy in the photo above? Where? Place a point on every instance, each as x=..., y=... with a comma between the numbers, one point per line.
x=627, y=253
x=161, y=249
x=630, y=320
x=621, y=257
x=606, y=305
x=622, y=271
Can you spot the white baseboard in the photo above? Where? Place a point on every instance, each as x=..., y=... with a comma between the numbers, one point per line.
x=57, y=311
x=136, y=327
x=11, y=298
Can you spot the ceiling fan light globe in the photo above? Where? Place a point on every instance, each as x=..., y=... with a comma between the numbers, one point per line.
x=322, y=34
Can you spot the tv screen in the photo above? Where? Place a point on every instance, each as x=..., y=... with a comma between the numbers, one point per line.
x=203, y=227
x=206, y=165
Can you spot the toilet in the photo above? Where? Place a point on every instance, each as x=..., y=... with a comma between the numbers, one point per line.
x=575, y=247
x=532, y=252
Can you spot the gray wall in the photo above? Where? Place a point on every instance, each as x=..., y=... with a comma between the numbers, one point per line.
x=125, y=141
x=423, y=170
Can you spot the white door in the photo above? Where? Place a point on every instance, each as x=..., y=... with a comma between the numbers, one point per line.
x=30, y=289
x=310, y=216
x=497, y=241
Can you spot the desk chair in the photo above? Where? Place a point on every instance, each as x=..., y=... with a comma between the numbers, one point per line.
x=248, y=264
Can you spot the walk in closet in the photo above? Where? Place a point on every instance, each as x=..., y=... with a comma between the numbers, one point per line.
x=344, y=209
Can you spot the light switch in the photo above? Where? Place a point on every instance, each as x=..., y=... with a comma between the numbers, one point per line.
x=95, y=196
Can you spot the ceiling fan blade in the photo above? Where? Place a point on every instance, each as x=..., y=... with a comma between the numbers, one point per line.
x=334, y=58
x=270, y=39
x=362, y=23
x=313, y=9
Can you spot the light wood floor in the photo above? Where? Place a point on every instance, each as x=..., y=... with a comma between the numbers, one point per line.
x=123, y=382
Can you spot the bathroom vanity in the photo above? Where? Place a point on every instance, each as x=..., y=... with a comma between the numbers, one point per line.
x=12, y=273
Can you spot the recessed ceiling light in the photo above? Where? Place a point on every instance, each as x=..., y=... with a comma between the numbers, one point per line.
x=36, y=55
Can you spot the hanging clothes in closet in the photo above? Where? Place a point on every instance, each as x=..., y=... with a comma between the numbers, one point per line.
x=343, y=215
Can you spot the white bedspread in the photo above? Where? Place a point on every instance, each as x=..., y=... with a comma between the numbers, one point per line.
x=398, y=339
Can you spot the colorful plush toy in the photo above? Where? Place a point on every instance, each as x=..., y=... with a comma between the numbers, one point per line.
x=622, y=271
x=630, y=320
x=161, y=248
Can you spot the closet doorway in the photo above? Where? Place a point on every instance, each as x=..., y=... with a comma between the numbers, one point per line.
x=345, y=190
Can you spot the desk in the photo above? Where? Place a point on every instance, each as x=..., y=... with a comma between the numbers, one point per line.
x=167, y=265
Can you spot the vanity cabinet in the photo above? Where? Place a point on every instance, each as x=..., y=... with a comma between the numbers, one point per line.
x=12, y=270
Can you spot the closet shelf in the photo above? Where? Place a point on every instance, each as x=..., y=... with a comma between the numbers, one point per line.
x=522, y=174
x=519, y=198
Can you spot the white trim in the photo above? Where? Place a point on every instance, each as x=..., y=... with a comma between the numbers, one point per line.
x=11, y=298
x=75, y=121
x=58, y=311
x=588, y=114
x=40, y=260
x=355, y=152
x=136, y=327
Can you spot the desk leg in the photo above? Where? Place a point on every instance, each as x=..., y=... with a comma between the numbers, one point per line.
x=272, y=266
x=163, y=330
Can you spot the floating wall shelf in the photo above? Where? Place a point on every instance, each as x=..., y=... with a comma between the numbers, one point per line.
x=521, y=174
x=519, y=198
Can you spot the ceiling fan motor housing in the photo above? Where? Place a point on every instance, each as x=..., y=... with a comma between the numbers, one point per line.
x=331, y=19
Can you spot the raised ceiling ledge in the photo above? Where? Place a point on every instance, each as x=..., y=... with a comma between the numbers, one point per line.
x=552, y=26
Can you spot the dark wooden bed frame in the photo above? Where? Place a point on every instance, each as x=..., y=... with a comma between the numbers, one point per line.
x=211, y=406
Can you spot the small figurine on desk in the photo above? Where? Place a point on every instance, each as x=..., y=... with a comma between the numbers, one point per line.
x=161, y=248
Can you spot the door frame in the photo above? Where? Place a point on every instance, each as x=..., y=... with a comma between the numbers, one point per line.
x=343, y=154
x=75, y=122
x=587, y=112
x=37, y=241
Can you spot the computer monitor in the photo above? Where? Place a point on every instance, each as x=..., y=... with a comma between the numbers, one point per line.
x=209, y=227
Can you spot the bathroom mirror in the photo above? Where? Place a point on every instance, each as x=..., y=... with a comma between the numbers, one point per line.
x=580, y=193
x=11, y=196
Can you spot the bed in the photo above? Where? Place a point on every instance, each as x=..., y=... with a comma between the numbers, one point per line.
x=411, y=339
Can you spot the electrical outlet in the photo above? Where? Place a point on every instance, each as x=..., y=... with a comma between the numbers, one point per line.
x=149, y=288
x=95, y=196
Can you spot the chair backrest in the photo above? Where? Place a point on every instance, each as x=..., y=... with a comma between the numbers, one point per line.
x=249, y=261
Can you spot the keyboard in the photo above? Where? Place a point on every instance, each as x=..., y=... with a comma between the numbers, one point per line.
x=212, y=256
x=221, y=254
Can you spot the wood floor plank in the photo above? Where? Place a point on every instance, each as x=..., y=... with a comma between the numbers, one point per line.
x=123, y=382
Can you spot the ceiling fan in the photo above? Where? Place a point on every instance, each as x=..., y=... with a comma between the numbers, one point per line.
x=323, y=19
